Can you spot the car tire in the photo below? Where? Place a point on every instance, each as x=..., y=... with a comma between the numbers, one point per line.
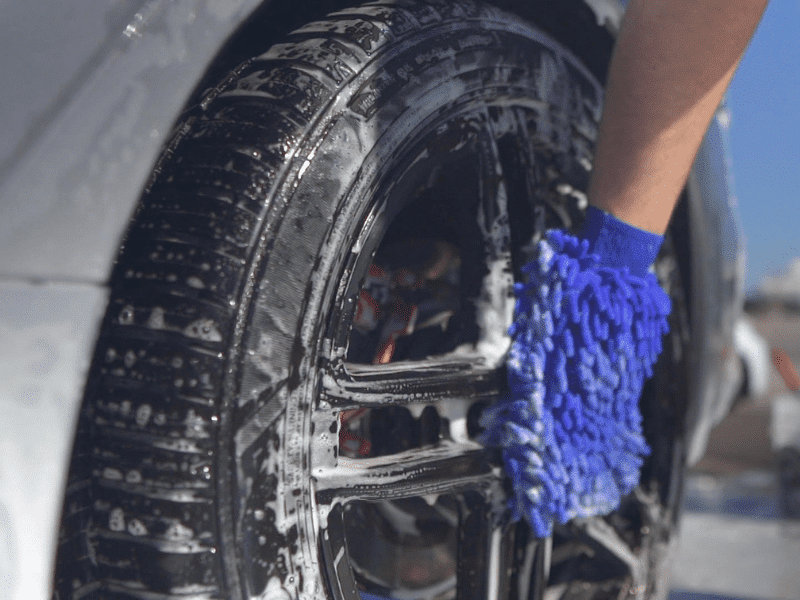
x=207, y=460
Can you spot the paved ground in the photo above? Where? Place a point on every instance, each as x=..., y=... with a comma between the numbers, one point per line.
x=736, y=541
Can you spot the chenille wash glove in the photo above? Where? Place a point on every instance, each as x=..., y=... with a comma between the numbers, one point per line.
x=587, y=331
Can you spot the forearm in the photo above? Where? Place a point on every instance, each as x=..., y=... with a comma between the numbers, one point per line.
x=672, y=64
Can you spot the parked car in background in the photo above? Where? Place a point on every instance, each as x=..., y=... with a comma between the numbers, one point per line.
x=255, y=270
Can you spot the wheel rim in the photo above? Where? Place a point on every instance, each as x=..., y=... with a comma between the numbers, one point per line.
x=492, y=558
x=452, y=382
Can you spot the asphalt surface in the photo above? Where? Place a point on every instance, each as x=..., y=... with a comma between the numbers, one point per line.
x=738, y=539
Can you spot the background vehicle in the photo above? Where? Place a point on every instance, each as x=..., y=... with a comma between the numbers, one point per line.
x=213, y=454
x=754, y=352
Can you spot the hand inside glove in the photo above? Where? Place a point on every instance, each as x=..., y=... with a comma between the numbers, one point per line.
x=587, y=331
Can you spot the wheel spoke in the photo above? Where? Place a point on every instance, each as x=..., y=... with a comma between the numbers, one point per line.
x=448, y=468
x=493, y=212
x=604, y=534
x=485, y=551
x=533, y=567
x=409, y=382
x=496, y=302
x=336, y=563
x=500, y=567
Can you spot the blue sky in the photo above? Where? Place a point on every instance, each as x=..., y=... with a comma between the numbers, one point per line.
x=764, y=99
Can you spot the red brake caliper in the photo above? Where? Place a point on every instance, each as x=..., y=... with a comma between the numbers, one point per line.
x=348, y=439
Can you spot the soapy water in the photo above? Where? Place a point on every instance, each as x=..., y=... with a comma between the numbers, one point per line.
x=410, y=310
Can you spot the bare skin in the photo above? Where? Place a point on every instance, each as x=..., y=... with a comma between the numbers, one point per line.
x=671, y=66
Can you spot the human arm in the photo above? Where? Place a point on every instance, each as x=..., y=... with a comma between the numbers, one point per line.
x=590, y=316
x=671, y=66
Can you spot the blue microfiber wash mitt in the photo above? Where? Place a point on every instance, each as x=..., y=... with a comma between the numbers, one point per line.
x=587, y=332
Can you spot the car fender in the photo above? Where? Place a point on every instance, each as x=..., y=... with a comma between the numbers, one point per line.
x=95, y=90
x=47, y=335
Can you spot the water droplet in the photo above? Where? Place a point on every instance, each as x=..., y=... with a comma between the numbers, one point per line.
x=431, y=499
x=116, y=520
x=156, y=319
x=112, y=474
x=203, y=329
x=178, y=532
x=143, y=414
x=133, y=477
x=126, y=315
x=137, y=528
x=130, y=358
x=195, y=282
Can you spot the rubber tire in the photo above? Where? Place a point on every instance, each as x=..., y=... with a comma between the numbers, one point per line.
x=190, y=474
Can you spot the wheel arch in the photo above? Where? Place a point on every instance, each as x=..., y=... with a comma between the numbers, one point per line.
x=101, y=112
